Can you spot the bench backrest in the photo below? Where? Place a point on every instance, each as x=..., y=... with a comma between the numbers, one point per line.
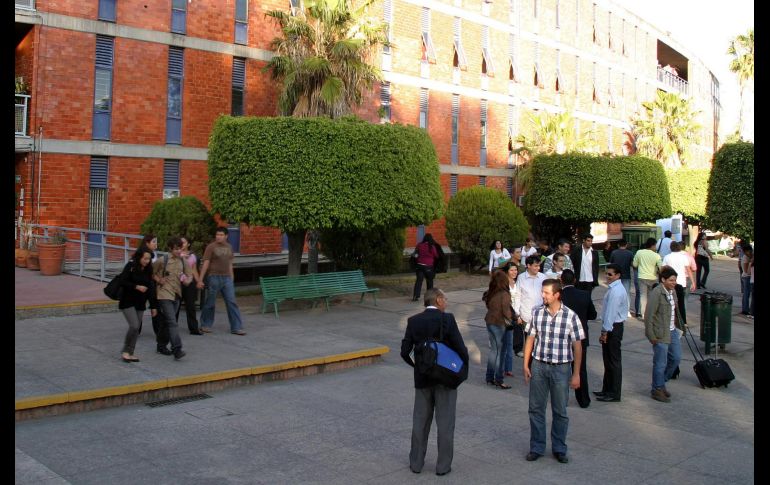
x=339, y=281
x=276, y=286
x=310, y=285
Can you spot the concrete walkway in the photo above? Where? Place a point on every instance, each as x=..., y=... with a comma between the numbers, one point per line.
x=353, y=426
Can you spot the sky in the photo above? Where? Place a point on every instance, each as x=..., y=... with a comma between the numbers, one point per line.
x=705, y=28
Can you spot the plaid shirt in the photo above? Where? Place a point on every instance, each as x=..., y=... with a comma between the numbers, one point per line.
x=554, y=334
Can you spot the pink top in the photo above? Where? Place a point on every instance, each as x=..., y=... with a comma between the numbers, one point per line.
x=191, y=260
x=426, y=254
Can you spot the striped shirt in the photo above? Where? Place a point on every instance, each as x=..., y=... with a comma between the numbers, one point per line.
x=555, y=334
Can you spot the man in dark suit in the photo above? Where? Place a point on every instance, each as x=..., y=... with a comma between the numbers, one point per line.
x=579, y=301
x=585, y=263
x=428, y=394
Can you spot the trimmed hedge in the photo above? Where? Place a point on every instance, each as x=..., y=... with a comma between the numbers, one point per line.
x=585, y=188
x=376, y=251
x=688, y=188
x=183, y=217
x=477, y=216
x=303, y=173
x=730, y=205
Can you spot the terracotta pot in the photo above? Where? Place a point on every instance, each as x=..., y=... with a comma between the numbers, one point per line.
x=33, y=261
x=51, y=258
x=21, y=257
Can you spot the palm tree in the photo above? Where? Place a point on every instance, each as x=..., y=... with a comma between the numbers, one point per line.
x=742, y=50
x=323, y=62
x=666, y=128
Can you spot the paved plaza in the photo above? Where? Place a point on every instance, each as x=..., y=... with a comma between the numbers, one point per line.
x=353, y=426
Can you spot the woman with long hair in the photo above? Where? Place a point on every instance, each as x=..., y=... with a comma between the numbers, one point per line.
x=499, y=315
x=138, y=288
x=702, y=258
x=513, y=339
x=426, y=254
x=497, y=254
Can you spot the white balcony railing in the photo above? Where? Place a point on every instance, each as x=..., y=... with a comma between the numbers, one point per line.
x=670, y=79
x=22, y=103
x=26, y=4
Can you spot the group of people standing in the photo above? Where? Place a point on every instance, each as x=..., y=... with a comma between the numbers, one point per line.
x=166, y=282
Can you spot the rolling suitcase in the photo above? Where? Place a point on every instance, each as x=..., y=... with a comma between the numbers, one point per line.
x=710, y=372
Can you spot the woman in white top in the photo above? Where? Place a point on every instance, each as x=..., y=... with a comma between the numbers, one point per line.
x=497, y=253
x=702, y=258
x=513, y=340
x=528, y=249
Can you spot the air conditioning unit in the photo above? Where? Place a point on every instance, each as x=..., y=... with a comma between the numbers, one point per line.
x=520, y=200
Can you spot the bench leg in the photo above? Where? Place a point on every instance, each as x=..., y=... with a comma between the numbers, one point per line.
x=264, y=306
x=326, y=301
x=275, y=308
x=374, y=295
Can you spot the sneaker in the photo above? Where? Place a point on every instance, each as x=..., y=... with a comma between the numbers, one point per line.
x=238, y=332
x=520, y=354
x=179, y=354
x=164, y=351
x=659, y=395
x=750, y=316
x=206, y=330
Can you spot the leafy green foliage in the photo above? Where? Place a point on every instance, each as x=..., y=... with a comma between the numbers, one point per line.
x=666, y=128
x=688, y=188
x=585, y=188
x=730, y=206
x=182, y=217
x=375, y=251
x=302, y=173
x=476, y=217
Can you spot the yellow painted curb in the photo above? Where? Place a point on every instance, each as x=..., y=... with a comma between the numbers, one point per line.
x=64, y=305
x=70, y=397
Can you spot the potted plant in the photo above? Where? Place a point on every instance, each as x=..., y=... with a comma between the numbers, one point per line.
x=51, y=253
x=25, y=235
x=33, y=258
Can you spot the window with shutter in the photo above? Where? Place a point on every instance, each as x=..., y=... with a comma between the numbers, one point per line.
x=174, y=109
x=239, y=86
x=170, y=179
x=102, y=119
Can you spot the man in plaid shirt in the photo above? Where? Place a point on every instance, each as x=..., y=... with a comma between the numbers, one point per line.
x=554, y=334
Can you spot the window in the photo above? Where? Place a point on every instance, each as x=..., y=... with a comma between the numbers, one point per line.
x=179, y=16
x=455, y=127
x=453, y=185
x=428, y=52
x=387, y=18
x=170, y=179
x=623, y=50
x=509, y=187
x=424, y=108
x=107, y=10
x=513, y=70
x=610, y=91
x=102, y=120
x=241, y=21
x=239, y=85
x=295, y=6
x=458, y=61
x=483, y=180
x=610, y=44
x=534, y=8
x=538, y=80
x=557, y=14
x=97, y=204
x=487, y=66
x=385, y=102
x=593, y=18
x=559, y=84
x=174, y=110
x=483, y=152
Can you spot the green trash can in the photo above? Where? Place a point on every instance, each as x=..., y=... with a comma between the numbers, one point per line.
x=715, y=309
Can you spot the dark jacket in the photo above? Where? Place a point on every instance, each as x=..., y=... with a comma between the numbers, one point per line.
x=499, y=309
x=577, y=259
x=623, y=258
x=425, y=325
x=131, y=296
x=579, y=301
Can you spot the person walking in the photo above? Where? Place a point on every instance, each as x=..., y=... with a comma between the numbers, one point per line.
x=580, y=302
x=513, y=340
x=585, y=261
x=150, y=243
x=218, y=266
x=138, y=289
x=553, y=341
x=170, y=274
x=648, y=262
x=614, y=313
x=498, y=256
x=427, y=254
x=623, y=258
x=190, y=292
x=530, y=285
x=429, y=396
x=662, y=327
x=499, y=313
x=664, y=245
x=562, y=247
x=702, y=257
x=556, y=267
x=678, y=260
x=746, y=282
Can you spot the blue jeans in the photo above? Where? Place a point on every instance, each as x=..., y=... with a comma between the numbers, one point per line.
x=495, y=357
x=627, y=285
x=216, y=284
x=746, y=297
x=665, y=359
x=553, y=379
x=508, y=351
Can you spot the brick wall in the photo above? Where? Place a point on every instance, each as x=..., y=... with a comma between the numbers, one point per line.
x=207, y=94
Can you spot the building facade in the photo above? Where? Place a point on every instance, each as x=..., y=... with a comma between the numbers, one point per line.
x=121, y=95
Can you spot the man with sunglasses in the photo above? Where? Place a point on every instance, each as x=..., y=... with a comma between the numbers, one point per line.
x=614, y=312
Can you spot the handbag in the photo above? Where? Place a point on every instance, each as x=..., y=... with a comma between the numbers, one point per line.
x=114, y=289
x=437, y=361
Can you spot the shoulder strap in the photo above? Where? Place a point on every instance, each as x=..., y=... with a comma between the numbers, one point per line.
x=660, y=244
x=165, y=263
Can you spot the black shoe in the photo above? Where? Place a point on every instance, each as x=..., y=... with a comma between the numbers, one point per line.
x=179, y=354
x=599, y=393
x=415, y=298
x=441, y=474
x=532, y=456
x=164, y=351
x=562, y=457
x=415, y=471
x=585, y=405
x=196, y=332
x=608, y=398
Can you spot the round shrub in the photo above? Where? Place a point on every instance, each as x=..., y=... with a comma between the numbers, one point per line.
x=476, y=217
x=183, y=217
x=376, y=251
x=730, y=206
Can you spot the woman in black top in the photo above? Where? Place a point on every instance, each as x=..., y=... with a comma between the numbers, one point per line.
x=138, y=287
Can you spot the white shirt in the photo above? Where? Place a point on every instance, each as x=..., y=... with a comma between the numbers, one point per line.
x=494, y=258
x=672, y=302
x=515, y=296
x=679, y=261
x=530, y=296
x=586, y=265
x=526, y=252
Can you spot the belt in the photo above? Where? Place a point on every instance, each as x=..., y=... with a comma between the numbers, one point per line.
x=551, y=363
x=618, y=323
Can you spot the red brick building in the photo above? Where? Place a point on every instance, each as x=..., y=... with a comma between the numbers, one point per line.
x=122, y=94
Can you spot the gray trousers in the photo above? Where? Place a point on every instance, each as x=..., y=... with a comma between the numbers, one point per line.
x=168, y=309
x=134, y=319
x=444, y=401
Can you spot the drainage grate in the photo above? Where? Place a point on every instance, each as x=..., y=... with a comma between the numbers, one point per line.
x=178, y=400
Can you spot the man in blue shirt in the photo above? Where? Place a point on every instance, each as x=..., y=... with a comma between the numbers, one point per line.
x=614, y=312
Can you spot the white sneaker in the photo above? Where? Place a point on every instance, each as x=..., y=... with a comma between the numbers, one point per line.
x=520, y=354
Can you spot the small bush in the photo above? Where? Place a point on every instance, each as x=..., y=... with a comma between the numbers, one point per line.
x=476, y=217
x=180, y=216
x=377, y=251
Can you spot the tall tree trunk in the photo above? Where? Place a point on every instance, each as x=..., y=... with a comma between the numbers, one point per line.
x=296, y=244
x=312, y=250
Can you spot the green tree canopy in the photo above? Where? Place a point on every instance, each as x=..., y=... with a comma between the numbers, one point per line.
x=301, y=173
x=477, y=216
x=730, y=205
x=181, y=217
x=688, y=188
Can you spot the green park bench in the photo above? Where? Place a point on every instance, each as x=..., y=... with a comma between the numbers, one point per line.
x=602, y=262
x=276, y=289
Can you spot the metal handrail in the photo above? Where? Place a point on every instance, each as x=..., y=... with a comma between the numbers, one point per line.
x=672, y=80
